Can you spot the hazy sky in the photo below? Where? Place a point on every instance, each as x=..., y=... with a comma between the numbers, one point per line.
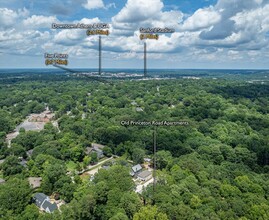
x=209, y=33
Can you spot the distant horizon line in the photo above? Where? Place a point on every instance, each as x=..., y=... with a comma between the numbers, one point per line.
x=15, y=68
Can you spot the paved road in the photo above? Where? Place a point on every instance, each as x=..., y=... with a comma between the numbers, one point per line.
x=96, y=167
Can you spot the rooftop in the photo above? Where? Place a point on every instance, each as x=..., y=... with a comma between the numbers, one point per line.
x=136, y=168
x=39, y=198
x=49, y=206
x=43, y=202
x=144, y=174
x=88, y=150
x=99, y=146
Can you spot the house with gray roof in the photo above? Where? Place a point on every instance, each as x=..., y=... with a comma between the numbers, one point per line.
x=145, y=175
x=2, y=181
x=88, y=150
x=148, y=160
x=49, y=207
x=136, y=169
x=98, y=148
x=39, y=198
x=43, y=202
x=100, y=153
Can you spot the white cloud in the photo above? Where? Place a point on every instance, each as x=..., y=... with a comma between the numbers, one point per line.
x=231, y=31
x=39, y=21
x=8, y=17
x=26, y=42
x=94, y=4
x=256, y=20
x=169, y=19
x=110, y=5
x=243, y=30
x=9, y=35
x=127, y=55
x=234, y=55
x=139, y=10
x=202, y=18
x=69, y=37
x=123, y=43
x=139, y=13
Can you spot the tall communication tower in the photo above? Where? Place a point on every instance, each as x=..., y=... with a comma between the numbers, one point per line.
x=145, y=59
x=100, y=55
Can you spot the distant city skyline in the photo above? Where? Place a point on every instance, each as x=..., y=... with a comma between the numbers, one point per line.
x=209, y=34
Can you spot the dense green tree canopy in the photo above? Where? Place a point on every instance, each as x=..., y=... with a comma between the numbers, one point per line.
x=14, y=196
x=215, y=167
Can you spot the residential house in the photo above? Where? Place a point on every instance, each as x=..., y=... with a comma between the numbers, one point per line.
x=136, y=169
x=98, y=148
x=43, y=202
x=147, y=160
x=144, y=175
x=100, y=153
x=88, y=150
x=2, y=181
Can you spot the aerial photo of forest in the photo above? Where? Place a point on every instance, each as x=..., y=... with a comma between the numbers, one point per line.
x=214, y=167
